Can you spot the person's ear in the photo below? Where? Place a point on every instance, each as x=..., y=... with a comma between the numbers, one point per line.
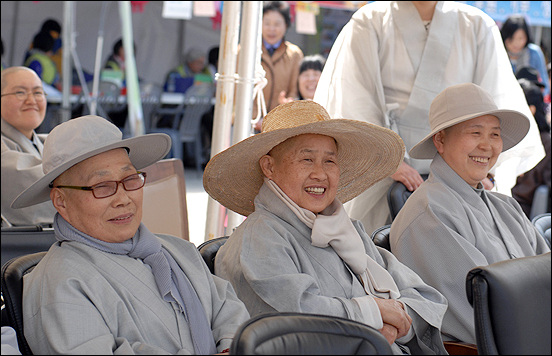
x=59, y=200
x=439, y=141
x=266, y=163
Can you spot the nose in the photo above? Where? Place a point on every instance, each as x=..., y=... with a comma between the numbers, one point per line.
x=318, y=172
x=121, y=196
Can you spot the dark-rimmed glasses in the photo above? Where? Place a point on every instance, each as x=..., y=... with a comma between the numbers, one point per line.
x=108, y=188
x=39, y=95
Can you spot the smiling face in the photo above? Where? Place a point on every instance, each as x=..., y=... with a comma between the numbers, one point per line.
x=308, y=80
x=25, y=115
x=305, y=167
x=112, y=219
x=471, y=148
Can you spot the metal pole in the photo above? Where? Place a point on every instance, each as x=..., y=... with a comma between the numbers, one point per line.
x=222, y=124
x=134, y=102
x=249, y=57
x=98, y=59
x=67, y=38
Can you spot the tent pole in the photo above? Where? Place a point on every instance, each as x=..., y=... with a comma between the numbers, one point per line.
x=249, y=58
x=222, y=124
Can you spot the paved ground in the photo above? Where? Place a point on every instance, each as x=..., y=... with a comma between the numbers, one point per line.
x=196, y=199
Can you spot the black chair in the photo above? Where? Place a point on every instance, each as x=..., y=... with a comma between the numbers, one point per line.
x=542, y=223
x=12, y=292
x=307, y=334
x=24, y=240
x=511, y=304
x=397, y=196
x=380, y=236
x=209, y=249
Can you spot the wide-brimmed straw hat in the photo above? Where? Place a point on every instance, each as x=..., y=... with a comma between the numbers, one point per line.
x=462, y=102
x=78, y=139
x=366, y=154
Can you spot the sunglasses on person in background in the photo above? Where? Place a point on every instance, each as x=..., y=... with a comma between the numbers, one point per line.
x=39, y=95
x=106, y=189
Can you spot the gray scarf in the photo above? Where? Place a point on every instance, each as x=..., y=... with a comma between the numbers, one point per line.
x=171, y=280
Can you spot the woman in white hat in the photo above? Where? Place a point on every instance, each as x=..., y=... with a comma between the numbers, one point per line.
x=450, y=224
x=110, y=286
x=298, y=250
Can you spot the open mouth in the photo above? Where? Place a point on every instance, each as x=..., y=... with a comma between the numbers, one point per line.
x=315, y=190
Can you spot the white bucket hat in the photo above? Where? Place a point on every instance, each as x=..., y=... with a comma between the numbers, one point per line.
x=462, y=102
x=366, y=153
x=78, y=139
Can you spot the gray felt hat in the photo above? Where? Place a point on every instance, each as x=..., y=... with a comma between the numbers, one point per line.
x=463, y=102
x=78, y=139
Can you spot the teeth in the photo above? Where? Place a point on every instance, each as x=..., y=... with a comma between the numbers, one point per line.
x=480, y=159
x=315, y=190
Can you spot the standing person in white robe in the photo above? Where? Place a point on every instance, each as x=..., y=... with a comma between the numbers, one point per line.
x=450, y=224
x=393, y=58
x=109, y=285
x=298, y=251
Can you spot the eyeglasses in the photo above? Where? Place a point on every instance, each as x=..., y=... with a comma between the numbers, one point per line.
x=106, y=189
x=39, y=95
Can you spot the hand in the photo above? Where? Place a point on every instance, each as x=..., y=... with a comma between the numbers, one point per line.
x=408, y=176
x=282, y=99
x=389, y=332
x=487, y=184
x=393, y=313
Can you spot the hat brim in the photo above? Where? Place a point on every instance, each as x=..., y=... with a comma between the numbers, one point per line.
x=367, y=153
x=513, y=126
x=142, y=150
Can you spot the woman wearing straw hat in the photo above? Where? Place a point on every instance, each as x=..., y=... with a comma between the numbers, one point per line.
x=298, y=250
x=109, y=285
x=450, y=224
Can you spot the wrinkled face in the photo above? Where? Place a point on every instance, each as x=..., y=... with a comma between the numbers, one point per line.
x=471, y=148
x=274, y=27
x=517, y=42
x=305, y=167
x=308, y=80
x=112, y=219
x=25, y=115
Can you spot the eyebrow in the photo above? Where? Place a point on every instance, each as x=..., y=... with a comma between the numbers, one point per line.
x=308, y=150
x=103, y=173
x=24, y=87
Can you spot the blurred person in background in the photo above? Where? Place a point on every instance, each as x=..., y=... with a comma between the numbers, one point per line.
x=40, y=59
x=522, y=52
x=280, y=59
x=528, y=182
x=310, y=70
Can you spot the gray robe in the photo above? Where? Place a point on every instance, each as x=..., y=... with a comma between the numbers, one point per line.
x=80, y=300
x=272, y=265
x=446, y=228
x=21, y=167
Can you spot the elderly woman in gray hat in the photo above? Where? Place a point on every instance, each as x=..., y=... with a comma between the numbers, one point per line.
x=450, y=224
x=298, y=251
x=108, y=285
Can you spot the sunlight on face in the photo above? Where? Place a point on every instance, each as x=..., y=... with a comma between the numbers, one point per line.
x=471, y=148
x=308, y=80
x=112, y=219
x=305, y=167
x=25, y=115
